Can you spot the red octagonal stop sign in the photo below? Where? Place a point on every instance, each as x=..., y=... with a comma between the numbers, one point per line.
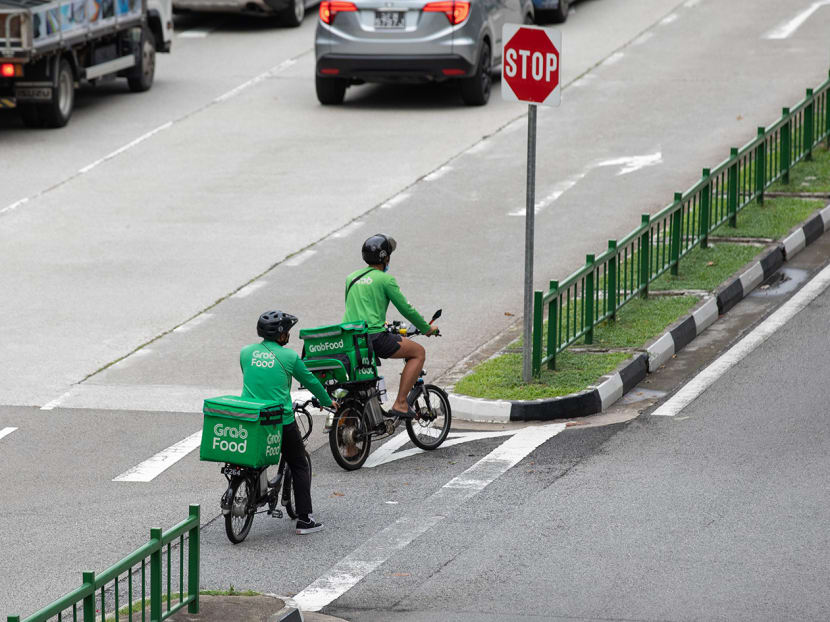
x=530, y=64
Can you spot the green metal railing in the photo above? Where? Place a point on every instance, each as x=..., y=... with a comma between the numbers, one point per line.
x=89, y=602
x=570, y=309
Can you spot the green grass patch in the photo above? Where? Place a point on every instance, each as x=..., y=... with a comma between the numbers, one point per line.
x=500, y=378
x=773, y=219
x=642, y=319
x=705, y=269
x=808, y=176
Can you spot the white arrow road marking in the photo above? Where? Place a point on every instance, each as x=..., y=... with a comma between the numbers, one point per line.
x=628, y=164
x=150, y=468
x=388, y=452
x=785, y=30
x=349, y=571
x=745, y=346
x=6, y=431
x=631, y=164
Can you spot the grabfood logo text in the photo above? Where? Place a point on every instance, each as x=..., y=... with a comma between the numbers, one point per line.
x=262, y=359
x=322, y=347
x=273, y=444
x=221, y=434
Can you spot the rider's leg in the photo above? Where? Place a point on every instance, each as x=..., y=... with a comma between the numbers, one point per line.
x=293, y=450
x=415, y=356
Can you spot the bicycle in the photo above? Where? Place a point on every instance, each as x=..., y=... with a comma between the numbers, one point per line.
x=250, y=488
x=361, y=418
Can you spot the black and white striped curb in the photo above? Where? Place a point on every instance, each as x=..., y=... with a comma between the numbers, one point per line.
x=658, y=352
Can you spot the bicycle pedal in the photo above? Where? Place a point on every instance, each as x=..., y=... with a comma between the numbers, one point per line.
x=276, y=513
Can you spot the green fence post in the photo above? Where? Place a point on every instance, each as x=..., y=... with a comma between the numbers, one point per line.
x=536, y=361
x=588, y=300
x=676, y=219
x=705, y=208
x=155, y=577
x=732, y=188
x=611, y=280
x=553, y=323
x=827, y=113
x=193, y=561
x=760, y=167
x=645, y=254
x=786, y=146
x=809, y=125
x=89, y=599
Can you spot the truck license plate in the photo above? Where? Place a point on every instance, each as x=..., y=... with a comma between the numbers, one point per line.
x=390, y=20
x=39, y=93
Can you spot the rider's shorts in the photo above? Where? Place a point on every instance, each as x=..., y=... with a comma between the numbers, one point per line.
x=385, y=344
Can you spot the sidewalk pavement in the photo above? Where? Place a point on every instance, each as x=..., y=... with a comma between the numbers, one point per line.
x=261, y=608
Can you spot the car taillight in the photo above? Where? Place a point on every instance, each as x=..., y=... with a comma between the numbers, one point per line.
x=330, y=8
x=455, y=10
x=9, y=70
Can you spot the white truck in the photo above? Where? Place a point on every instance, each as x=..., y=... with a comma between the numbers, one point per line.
x=47, y=47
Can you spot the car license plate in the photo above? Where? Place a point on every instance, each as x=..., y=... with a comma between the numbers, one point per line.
x=390, y=20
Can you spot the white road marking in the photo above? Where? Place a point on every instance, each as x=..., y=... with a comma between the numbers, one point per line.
x=152, y=467
x=126, y=147
x=584, y=80
x=745, y=346
x=249, y=289
x=256, y=80
x=349, y=571
x=669, y=19
x=196, y=33
x=299, y=258
x=395, y=200
x=613, y=59
x=631, y=164
x=189, y=325
x=57, y=401
x=646, y=36
x=558, y=190
x=438, y=173
x=691, y=3
x=785, y=30
x=222, y=98
x=389, y=451
x=7, y=431
x=348, y=229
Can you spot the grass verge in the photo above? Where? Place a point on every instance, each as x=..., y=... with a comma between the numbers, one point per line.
x=773, y=219
x=706, y=268
x=808, y=176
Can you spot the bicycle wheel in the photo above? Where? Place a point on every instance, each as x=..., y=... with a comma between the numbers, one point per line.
x=349, y=437
x=288, y=490
x=433, y=418
x=304, y=423
x=239, y=520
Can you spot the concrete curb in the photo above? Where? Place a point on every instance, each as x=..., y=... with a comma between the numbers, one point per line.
x=657, y=352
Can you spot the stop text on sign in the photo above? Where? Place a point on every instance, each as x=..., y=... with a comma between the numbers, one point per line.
x=542, y=66
x=531, y=64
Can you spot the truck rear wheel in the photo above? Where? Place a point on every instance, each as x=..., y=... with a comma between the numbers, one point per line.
x=57, y=112
x=140, y=78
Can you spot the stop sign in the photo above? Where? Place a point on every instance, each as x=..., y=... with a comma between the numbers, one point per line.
x=530, y=64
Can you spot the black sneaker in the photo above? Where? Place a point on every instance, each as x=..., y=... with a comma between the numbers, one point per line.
x=409, y=414
x=308, y=526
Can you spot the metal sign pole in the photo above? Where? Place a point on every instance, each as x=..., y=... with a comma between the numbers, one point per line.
x=530, y=216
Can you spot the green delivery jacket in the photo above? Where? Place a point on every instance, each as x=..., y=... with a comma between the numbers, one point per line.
x=370, y=296
x=267, y=369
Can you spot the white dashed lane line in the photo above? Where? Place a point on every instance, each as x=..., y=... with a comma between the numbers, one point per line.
x=6, y=431
x=148, y=470
x=788, y=28
x=366, y=558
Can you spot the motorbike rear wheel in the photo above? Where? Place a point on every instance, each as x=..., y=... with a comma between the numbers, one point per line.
x=240, y=518
x=349, y=437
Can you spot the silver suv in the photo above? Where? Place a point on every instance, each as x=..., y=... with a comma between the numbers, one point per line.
x=409, y=41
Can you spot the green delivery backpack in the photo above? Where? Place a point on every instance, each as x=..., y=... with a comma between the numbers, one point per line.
x=339, y=352
x=241, y=430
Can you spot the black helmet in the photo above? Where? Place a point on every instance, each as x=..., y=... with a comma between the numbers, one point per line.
x=377, y=248
x=271, y=324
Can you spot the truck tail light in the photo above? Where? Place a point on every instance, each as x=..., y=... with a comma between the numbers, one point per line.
x=11, y=70
x=330, y=8
x=455, y=10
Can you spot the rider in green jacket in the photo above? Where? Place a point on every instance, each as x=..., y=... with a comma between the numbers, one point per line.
x=267, y=370
x=368, y=294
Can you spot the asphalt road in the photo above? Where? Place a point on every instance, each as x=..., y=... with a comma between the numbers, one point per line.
x=131, y=286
